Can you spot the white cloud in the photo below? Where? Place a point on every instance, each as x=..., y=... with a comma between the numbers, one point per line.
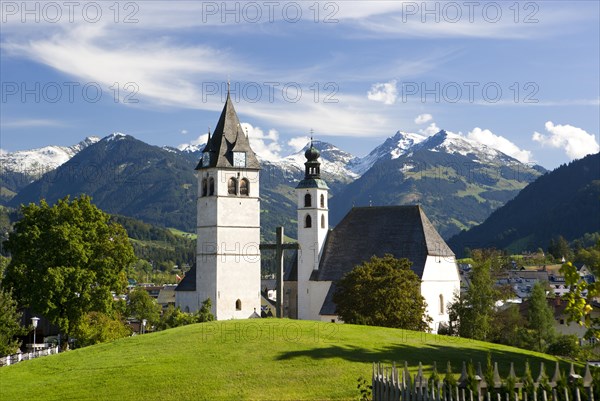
x=3, y=152
x=576, y=142
x=184, y=132
x=298, y=143
x=264, y=145
x=384, y=92
x=423, y=118
x=500, y=143
x=430, y=130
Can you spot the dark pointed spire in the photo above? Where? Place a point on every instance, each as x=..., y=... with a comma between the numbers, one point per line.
x=227, y=137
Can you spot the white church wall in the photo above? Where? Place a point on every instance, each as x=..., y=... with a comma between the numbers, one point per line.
x=439, y=283
x=317, y=291
x=187, y=300
x=238, y=278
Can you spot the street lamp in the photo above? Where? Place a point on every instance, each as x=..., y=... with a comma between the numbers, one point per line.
x=143, y=326
x=34, y=323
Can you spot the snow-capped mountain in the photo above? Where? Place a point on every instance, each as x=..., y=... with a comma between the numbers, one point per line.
x=393, y=147
x=35, y=162
x=451, y=143
x=335, y=163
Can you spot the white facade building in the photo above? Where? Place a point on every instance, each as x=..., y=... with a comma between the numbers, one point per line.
x=227, y=267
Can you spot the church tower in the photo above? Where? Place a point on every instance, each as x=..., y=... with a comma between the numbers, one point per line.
x=313, y=225
x=228, y=225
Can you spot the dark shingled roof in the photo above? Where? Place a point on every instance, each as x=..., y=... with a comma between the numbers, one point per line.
x=290, y=270
x=328, y=307
x=189, y=281
x=403, y=231
x=227, y=138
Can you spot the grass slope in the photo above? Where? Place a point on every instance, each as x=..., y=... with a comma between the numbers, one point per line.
x=264, y=359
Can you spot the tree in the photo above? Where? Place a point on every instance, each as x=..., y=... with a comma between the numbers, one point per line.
x=98, y=327
x=142, y=306
x=540, y=319
x=579, y=306
x=67, y=259
x=174, y=317
x=559, y=248
x=10, y=324
x=476, y=309
x=382, y=292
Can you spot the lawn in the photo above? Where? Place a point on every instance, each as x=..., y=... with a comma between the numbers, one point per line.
x=262, y=359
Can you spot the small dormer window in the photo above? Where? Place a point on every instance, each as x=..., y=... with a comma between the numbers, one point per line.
x=307, y=200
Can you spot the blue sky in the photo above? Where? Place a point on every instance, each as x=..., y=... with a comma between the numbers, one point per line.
x=519, y=76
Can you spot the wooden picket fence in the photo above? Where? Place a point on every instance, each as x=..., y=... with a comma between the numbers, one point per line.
x=394, y=384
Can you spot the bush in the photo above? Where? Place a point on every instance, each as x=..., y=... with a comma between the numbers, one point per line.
x=565, y=345
x=98, y=327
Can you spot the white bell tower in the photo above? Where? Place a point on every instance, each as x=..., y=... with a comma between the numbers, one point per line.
x=313, y=225
x=228, y=225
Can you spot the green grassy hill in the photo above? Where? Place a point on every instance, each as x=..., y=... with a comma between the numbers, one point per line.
x=264, y=359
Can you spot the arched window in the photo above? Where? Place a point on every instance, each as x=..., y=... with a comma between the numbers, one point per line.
x=204, y=187
x=307, y=200
x=211, y=186
x=441, y=304
x=308, y=222
x=232, y=186
x=244, y=187
x=238, y=305
x=322, y=221
x=323, y=201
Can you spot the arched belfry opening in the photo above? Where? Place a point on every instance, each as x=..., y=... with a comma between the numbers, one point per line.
x=308, y=221
x=244, y=187
x=232, y=186
x=307, y=200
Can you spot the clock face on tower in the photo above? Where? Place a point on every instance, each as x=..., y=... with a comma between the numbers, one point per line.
x=239, y=159
x=205, y=159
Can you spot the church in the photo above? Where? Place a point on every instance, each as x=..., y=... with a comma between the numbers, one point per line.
x=228, y=225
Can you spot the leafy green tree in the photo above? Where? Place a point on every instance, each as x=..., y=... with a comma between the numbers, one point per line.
x=174, y=317
x=142, y=306
x=540, y=318
x=382, y=292
x=476, y=309
x=98, y=327
x=581, y=294
x=10, y=324
x=472, y=315
x=508, y=326
x=67, y=259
